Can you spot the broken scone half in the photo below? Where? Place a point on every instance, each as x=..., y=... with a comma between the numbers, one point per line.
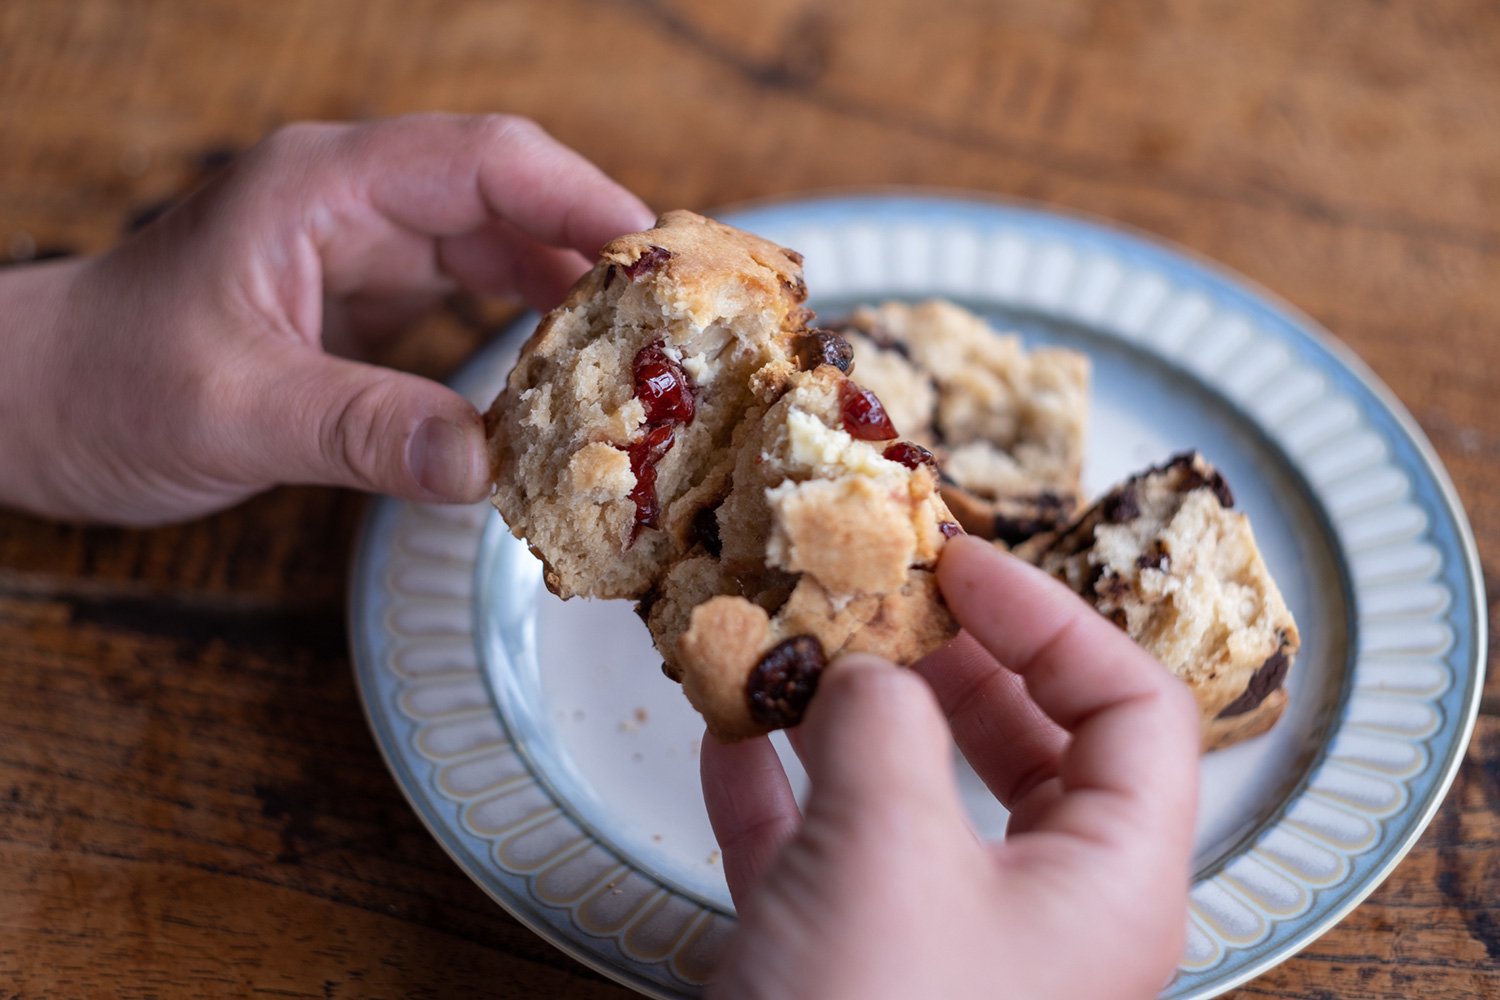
x=1007, y=423
x=1166, y=557
x=675, y=433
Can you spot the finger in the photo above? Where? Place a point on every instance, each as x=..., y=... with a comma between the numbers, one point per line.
x=300, y=416
x=876, y=749
x=1130, y=768
x=443, y=175
x=1009, y=741
x=500, y=257
x=374, y=203
x=750, y=807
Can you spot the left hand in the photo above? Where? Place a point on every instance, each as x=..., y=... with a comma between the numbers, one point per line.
x=184, y=371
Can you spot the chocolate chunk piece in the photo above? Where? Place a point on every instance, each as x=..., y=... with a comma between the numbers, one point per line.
x=1267, y=678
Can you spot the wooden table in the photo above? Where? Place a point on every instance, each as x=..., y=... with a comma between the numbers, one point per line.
x=190, y=803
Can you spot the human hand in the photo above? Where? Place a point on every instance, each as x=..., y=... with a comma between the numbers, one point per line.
x=883, y=890
x=184, y=371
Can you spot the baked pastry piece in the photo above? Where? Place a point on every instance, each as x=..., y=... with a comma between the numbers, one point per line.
x=1165, y=557
x=1007, y=424
x=675, y=433
x=825, y=544
x=613, y=425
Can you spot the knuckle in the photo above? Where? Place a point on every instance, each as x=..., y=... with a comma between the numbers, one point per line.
x=351, y=435
x=506, y=130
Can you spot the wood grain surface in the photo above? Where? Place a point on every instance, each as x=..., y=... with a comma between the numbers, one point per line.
x=190, y=803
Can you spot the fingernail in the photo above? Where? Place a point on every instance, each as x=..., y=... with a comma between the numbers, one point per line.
x=443, y=459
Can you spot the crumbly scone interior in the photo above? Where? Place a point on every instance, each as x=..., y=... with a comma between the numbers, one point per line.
x=1164, y=557
x=809, y=497
x=821, y=538
x=579, y=427
x=1009, y=422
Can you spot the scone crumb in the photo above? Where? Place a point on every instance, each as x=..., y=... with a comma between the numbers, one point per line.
x=600, y=472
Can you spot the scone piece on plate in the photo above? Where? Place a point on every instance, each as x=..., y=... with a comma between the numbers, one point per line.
x=675, y=433
x=1007, y=423
x=1166, y=558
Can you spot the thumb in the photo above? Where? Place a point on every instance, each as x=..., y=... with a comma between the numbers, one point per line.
x=875, y=743
x=316, y=419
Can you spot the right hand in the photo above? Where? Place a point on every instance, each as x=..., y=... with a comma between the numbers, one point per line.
x=882, y=888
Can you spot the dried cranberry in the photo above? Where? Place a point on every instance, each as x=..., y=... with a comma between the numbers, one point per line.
x=821, y=347
x=644, y=454
x=950, y=529
x=649, y=260
x=910, y=455
x=784, y=681
x=864, y=416
x=663, y=387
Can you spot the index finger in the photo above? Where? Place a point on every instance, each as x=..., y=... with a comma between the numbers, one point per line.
x=1130, y=769
x=445, y=175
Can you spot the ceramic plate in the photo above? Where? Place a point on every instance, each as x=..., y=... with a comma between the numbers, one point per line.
x=540, y=743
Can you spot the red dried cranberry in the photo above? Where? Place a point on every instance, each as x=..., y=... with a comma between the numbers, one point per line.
x=644, y=454
x=649, y=260
x=950, y=529
x=784, y=681
x=910, y=455
x=864, y=416
x=663, y=388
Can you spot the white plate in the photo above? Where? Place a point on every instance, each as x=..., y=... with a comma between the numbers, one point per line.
x=544, y=750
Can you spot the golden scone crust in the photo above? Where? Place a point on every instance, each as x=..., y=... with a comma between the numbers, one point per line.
x=724, y=308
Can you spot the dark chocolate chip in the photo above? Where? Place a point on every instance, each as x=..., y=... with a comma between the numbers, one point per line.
x=706, y=530
x=653, y=258
x=1042, y=511
x=792, y=255
x=1109, y=586
x=646, y=603
x=609, y=276
x=784, y=681
x=1121, y=506
x=1154, y=557
x=1221, y=489
x=824, y=347
x=1015, y=530
x=950, y=529
x=1267, y=678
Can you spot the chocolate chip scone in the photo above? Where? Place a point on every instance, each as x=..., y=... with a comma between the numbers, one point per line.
x=1007, y=424
x=1165, y=557
x=675, y=433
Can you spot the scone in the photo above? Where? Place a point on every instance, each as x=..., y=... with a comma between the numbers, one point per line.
x=825, y=543
x=1007, y=424
x=1165, y=557
x=675, y=433
x=612, y=429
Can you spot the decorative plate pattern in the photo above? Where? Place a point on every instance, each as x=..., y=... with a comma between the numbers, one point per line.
x=506, y=715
